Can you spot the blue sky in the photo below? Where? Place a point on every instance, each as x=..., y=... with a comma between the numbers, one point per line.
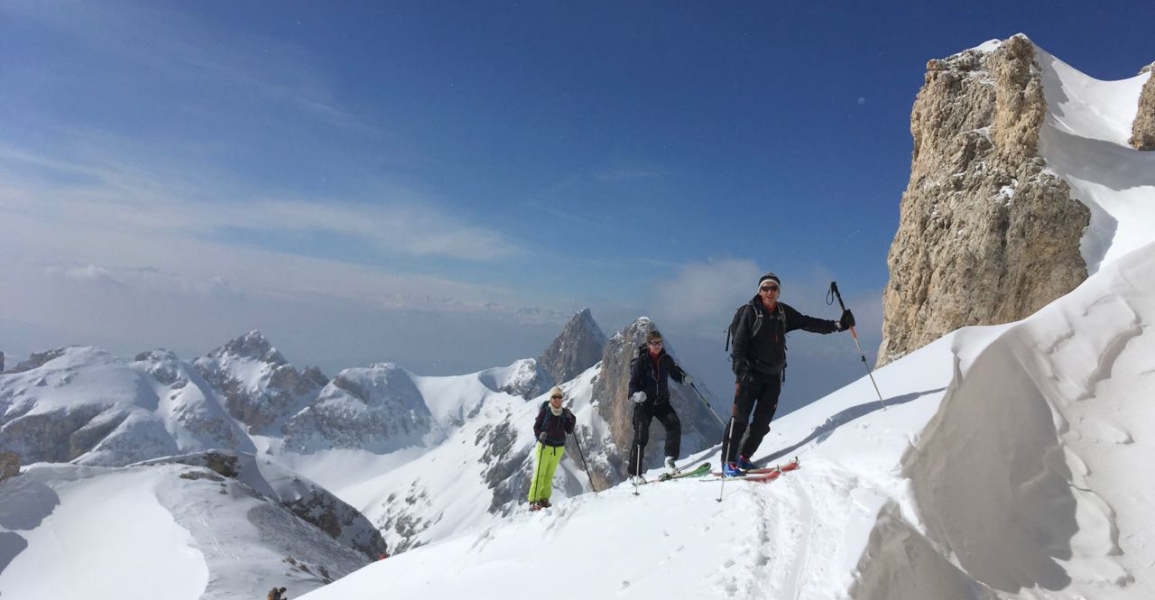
x=359, y=181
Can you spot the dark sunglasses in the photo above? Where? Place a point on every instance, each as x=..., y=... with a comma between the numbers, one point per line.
x=655, y=343
x=556, y=397
x=769, y=288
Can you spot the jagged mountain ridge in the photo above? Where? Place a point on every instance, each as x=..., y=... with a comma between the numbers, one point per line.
x=245, y=395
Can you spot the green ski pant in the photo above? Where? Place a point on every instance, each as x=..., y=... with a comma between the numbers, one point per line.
x=548, y=458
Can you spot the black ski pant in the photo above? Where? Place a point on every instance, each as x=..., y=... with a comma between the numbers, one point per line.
x=759, y=396
x=644, y=413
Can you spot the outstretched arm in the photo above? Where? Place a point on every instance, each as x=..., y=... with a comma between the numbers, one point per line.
x=797, y=320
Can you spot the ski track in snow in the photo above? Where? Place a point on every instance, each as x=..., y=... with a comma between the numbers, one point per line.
x=796, y=523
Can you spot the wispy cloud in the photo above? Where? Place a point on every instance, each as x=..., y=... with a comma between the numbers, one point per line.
x=123, y=189
x=705, y=291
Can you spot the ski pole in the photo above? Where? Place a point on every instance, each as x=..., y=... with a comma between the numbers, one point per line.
x=833, y=293
x=533, y=491
x=726, y=449
x=584, y=465
x=707, y=403
x=638, y=468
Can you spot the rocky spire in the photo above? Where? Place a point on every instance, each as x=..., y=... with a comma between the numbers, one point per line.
x=985, y=234
x=577, y=348
x=1143, y=130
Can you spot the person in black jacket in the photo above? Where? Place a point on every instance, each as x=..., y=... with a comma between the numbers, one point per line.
x=550, y=427
x=650, y=391
x=759, y=362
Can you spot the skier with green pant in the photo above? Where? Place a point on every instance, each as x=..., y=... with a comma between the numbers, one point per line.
x=550, y=428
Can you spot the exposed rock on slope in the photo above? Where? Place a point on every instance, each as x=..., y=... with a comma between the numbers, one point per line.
x=986, y=235
x=305, y=499
x=1143, y=130
x=260, y=387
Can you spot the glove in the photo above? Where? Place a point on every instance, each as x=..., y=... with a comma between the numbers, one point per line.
x=847, y=320
x=638, y=397
x=687, y=380
x=741, y=368
x=542, y=437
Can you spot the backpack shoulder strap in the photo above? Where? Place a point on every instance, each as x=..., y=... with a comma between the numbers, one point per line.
x=732, y=330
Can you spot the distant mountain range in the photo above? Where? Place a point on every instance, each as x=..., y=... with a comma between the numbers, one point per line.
x=416, y=455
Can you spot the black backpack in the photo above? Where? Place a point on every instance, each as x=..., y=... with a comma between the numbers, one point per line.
x=781, y=314
x=642, y=350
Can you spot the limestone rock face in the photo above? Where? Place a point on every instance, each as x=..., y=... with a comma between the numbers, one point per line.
x=985, y=234
x=577, y=348
x=1143, y=130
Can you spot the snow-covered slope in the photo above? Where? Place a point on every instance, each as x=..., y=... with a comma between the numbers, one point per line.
x=258, y=385
x=1084, y=140
x=478, y=474
x=377, y=409
x=173, y=529
x=1009, y=461
x=87, y=406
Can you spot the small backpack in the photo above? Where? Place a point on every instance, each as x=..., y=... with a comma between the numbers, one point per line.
x=734, y=324
x=781, y=314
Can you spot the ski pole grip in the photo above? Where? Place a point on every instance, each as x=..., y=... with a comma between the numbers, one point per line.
x=834, y=290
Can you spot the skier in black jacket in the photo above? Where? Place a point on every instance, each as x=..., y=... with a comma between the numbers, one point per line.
x=759, y=361
x=650, y=391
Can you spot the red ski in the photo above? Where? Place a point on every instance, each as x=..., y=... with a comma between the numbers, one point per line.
x=763, y=474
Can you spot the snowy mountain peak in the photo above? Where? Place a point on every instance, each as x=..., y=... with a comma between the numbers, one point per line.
x=88, y=406
x=577, y=348
x=252, y=345
x=377, y=408
x=260, y=387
